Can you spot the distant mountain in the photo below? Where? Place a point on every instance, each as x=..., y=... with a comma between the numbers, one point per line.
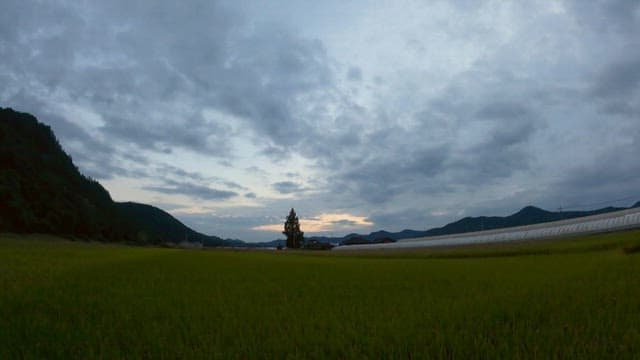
x=154, y=223
x=526, y=216
x=267, y=244
x=42, y=191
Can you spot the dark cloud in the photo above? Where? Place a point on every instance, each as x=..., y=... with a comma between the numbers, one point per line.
x=380, y=179
x=502, y=151
x=191, y=190
x=617, y=87
x=608, y=175
x=344, y=223
x=503, y=111
x=195, y=134
x=605, y=16
x=177, y=177
x=234, y=185
x=430, y=159
x=354, y=74
x=225, y=163
x=272, y=76
x=276, y=153
x=151, y=93
x=169, y=171
x=618, y=80
x=485, y=116
x=287, y=187
x=254, y=170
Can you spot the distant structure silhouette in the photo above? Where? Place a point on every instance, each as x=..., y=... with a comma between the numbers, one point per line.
x=295, y=237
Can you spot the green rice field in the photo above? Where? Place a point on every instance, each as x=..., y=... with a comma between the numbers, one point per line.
x=574, y=298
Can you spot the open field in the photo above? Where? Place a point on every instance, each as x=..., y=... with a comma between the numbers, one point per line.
x=575, y=298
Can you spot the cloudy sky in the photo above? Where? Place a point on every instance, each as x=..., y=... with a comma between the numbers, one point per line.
x=363, y=115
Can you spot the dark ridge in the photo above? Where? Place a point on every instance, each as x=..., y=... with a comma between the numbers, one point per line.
x=42, y=191
x=156, y=223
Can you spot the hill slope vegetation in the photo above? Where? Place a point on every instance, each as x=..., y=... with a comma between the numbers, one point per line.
x=42, y=191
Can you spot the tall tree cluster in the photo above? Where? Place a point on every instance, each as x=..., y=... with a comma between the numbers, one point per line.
x=295, y=237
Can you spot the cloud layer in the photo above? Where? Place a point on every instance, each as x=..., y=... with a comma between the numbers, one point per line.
x=409, y=115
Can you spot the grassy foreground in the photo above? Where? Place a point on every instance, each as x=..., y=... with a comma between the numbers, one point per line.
x=578, y=298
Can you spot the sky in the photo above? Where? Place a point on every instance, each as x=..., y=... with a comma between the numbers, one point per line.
x=362, y=115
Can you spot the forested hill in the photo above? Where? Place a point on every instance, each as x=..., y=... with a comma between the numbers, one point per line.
x=526, y=216
x=158, y=224
x=42, y=191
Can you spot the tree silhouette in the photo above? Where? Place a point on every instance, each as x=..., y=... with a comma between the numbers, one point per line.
x=295, y=237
